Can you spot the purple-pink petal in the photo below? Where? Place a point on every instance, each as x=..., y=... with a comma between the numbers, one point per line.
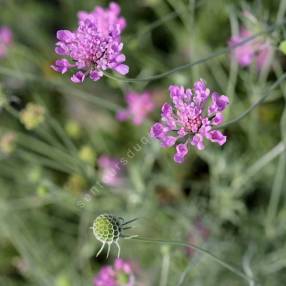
x=122, y=69
x=61, y=66
x=120, y=58
x=181, y=152
x=219, y=103
x=182, y=149
x=78, y=77
x=168, y=141
x=218, y=119
x=95, y=75
x=166, y=109
x=179, y=158
x=65, y=36
x=198, y=141
x=157, y=130
x=217, y=137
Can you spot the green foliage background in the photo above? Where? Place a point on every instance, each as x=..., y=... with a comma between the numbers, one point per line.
x=238, y=191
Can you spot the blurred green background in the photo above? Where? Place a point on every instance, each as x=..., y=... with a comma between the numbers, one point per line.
x=236, y=192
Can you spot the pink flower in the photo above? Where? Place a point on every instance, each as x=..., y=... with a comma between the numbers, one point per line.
x=188, y=121
x=6, y=38
x=111, y=171
x=122, y=273
x=94, y=46
x=259, y=51
x=139, y=106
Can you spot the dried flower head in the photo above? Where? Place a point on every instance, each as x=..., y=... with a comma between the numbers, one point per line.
x=94, y=46
x=138, y=107
x=122, y=273
x=32, y=116
x=108, y=229
x=6, y=38
x=189, y=120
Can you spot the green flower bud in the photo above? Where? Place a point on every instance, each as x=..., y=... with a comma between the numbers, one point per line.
x=32, y=116
x=73, y=129
x=87, y=154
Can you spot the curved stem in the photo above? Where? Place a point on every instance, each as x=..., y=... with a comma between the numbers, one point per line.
x=257, y=103
x=189, y=65
x=199, y=249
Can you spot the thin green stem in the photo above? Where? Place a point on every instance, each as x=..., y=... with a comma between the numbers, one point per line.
x=158, y=23
x=62, y=135
x=220, y=52
x=165, y=267
x=199, y=249
x=44, y=149
x=255, y=104
x=239, y=182
x=36, y=159
x=200, y=61
x=62, y=87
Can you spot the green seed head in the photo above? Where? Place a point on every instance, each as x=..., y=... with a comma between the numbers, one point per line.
x=107, y=228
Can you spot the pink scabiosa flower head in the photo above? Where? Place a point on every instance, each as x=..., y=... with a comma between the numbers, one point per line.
x=138, y=107
x=190, y=119
x=122, y=273
x=6, y=38
x=244, y=54
x=94, y=46
x=257, y=50
x=111, y=171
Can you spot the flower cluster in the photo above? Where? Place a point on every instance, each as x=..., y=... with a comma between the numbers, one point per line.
x=111, y=171
x=189, y=120
x=138, y=107
x=94, y=46
x=120, y=274
x=6, y=38
x=259, y=51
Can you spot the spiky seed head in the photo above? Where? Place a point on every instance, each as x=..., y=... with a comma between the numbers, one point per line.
x=107, y=228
